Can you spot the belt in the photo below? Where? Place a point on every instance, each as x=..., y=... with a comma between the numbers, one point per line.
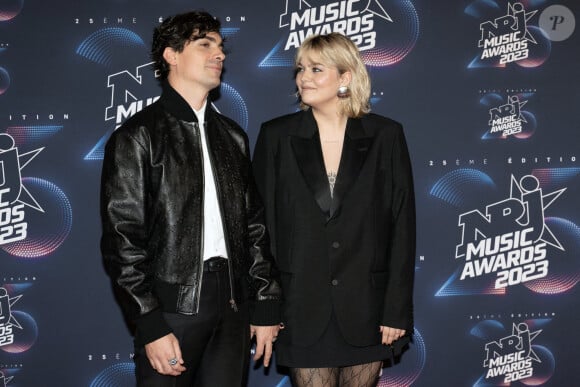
x=215, y=264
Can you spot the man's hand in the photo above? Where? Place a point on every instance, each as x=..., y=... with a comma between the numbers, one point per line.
x=164, y=355
x=391, y=335
x=265, y=337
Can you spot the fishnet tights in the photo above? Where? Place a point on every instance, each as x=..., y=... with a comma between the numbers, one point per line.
x=361, y=375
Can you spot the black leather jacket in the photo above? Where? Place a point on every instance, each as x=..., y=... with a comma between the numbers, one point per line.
x=152, y=211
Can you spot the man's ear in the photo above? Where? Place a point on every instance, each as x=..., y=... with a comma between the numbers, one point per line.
x=170, y=56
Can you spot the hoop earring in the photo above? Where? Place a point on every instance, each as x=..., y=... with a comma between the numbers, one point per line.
x=343, y=92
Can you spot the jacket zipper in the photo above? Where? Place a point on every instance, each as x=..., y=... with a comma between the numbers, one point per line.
x=200, y=270
x=232, y=301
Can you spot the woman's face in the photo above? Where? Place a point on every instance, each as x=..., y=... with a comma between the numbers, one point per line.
x=317, y=83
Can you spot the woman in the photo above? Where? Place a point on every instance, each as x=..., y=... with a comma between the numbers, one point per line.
x=338, y=191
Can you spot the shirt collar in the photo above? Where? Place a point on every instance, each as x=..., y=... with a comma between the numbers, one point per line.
x=200, y=114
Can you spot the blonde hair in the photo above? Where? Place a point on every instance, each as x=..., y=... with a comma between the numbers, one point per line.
x=339, y=51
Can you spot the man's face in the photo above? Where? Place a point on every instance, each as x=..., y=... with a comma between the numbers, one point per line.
x=200, y=63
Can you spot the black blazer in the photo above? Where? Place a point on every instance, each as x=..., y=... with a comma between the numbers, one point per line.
x=352, y=253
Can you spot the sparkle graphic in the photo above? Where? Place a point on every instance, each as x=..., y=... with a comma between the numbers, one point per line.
x=529, y=184
x=227, y=32
x=458, y=188
x=284, y=19
x=566, y=275
x=478, y=286
x=121, y=374
x=9, y=9
x=48, y=233
x=101, y=46
x=376, y=8
x=4, y=80
x=518, y=7
x=551, y=177
x=25, y=134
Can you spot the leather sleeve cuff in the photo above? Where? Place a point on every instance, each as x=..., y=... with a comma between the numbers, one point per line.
x=266, y=313
x=151, y=327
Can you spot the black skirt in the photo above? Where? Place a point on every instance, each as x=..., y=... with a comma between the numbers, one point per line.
x=330, y=351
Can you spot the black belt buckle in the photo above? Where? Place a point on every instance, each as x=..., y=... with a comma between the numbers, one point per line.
x=215, y=264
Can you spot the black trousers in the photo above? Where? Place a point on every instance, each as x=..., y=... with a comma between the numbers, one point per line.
x=215, y=343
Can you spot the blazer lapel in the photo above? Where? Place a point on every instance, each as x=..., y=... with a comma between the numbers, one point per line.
x=306, y=147
x=354, y=153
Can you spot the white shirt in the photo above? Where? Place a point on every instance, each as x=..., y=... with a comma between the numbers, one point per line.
x=214, y=244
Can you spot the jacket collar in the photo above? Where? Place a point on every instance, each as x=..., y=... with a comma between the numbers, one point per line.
x=177, y=106
x=307, y=150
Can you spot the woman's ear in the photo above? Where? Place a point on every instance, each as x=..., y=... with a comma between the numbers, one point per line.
x=345, y=78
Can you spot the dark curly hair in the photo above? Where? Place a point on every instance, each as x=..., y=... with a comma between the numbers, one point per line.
x=175, y=31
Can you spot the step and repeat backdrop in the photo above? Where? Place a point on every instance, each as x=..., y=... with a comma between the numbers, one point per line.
x=487, y=91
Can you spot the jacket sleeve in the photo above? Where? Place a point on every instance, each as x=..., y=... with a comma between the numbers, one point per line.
x=263, y=272
x=125, y=234
x=263, y=163
x=398, y=305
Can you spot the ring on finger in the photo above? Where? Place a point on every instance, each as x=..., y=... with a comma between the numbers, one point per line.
x=172, y=362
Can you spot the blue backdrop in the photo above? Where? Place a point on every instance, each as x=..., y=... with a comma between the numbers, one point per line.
x=487, y=91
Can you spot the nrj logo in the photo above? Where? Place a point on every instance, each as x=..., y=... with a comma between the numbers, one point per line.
x=511, y=238
x=4, y=380
x=14, y=196
x=130, y=93
x=506, y=38
x=7, y=320
x=353, y=18
x=507, y=119
x=512, y=357
x=384, y=33
x=506, y=115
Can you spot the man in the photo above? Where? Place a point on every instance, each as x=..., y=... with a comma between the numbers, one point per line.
x=183, y=232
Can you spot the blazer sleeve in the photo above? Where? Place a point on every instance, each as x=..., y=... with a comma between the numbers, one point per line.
x=263, y=271
x=398, y=306
x=264, y=172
